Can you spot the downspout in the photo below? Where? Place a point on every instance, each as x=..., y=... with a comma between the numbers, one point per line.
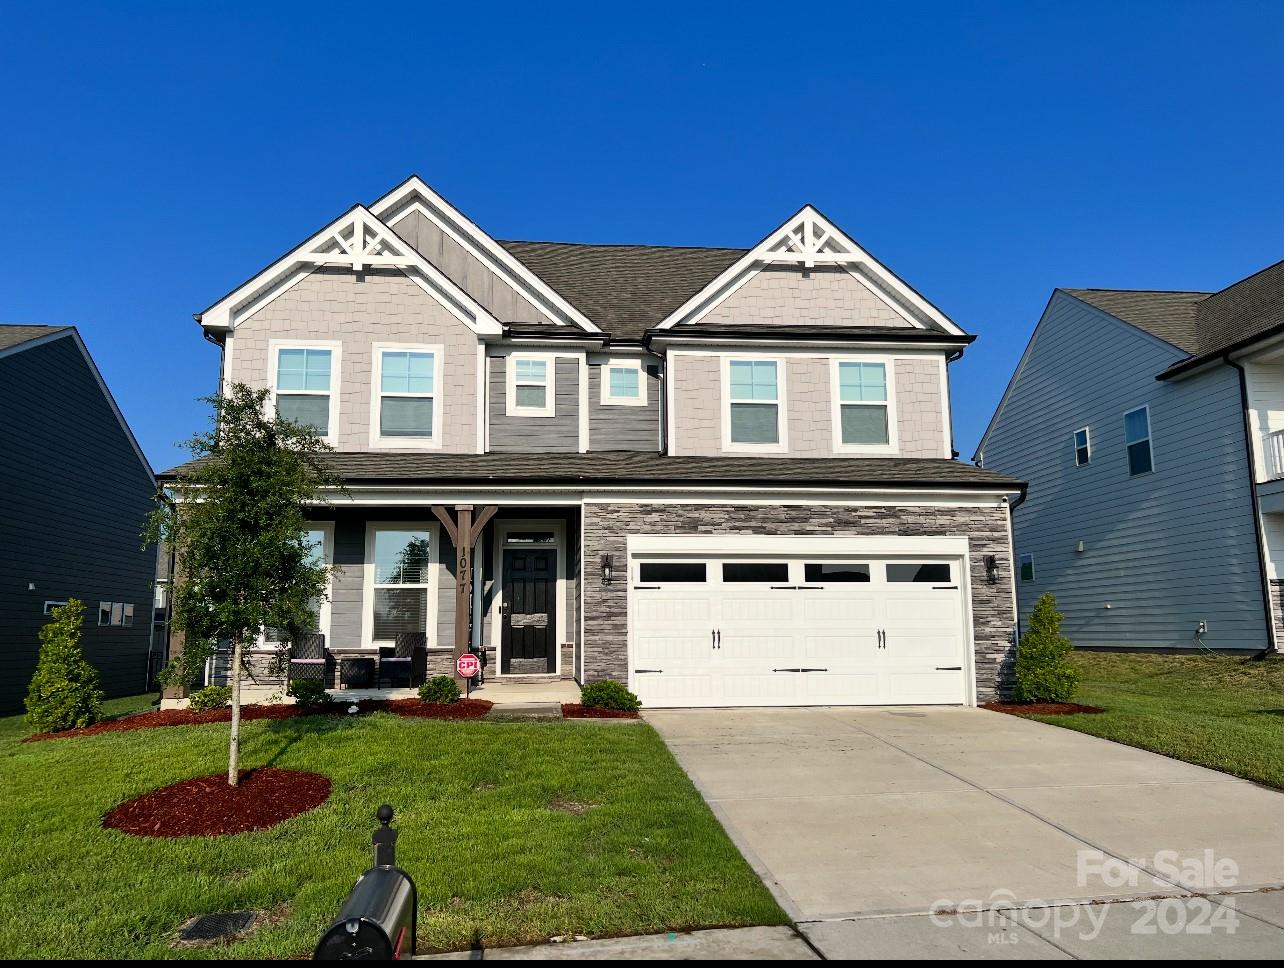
x=1257, y=510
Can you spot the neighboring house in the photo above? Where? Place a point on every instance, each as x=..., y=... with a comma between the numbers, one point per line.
x=722, y=476
x=76, y=494
x=1150, y=427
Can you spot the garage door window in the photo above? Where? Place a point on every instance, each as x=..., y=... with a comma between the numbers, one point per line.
x=660, y=572
x=929, y=572
x=818, y=573
x=755, y=571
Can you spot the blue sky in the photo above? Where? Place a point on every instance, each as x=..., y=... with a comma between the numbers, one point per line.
x=152, y=156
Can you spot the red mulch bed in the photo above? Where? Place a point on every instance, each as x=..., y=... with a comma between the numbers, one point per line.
x=464, y=709
x=573, y=710
x=206, y=806
x=1040, y=708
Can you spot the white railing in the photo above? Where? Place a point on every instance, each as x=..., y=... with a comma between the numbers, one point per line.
x=1273, y=454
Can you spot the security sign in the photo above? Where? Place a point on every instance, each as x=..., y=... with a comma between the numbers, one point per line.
x=467, y=666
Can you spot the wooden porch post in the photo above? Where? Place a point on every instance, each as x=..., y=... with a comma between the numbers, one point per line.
x=464, y=531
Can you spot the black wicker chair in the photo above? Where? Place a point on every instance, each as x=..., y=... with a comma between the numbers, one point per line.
x=406, y=662
x=308, y=657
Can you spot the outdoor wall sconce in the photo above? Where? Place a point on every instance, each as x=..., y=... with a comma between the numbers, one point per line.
x=992, y=569
x=608, y=569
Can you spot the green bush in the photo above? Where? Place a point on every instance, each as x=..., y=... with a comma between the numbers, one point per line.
x=309, y=692
x=211, y=697
x=65, y=691
x=440, y=689
x=609, y=694
x=1043, y=670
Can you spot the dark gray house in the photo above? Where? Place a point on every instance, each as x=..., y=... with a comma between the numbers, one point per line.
x=77, y=490
x=1150, y=427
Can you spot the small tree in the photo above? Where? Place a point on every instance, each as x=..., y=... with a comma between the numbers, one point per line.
x=65, y=691
x=237, y=522
x=1043, y=670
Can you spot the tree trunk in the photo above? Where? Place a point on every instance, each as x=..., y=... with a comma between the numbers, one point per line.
x=234, y=750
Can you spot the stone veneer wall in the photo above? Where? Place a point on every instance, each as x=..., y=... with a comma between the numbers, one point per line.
x=606, y=527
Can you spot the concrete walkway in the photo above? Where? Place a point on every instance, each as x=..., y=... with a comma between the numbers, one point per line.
x=733, y=944
x=864, y=822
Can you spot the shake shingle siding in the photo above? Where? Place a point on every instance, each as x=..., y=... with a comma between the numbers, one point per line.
x=76, y=497
x=1162, y=551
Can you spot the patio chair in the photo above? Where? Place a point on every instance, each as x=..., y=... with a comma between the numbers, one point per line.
x=308, y=657
x=406, y=662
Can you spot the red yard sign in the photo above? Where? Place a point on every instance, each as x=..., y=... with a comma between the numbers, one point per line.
x=467, y=666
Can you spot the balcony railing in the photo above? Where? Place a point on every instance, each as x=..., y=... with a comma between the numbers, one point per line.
x=1273, y=455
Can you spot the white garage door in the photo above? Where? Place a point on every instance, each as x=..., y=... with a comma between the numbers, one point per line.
x=795, y=631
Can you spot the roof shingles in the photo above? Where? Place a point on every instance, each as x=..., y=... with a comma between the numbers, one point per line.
x=14, y=335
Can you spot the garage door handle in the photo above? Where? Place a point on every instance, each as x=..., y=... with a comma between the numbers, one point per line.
x=786, y=670
x=783, y=588
x=811, y=588
x=646, y=588
x=813, y=670
x=949, y=668
x=945, y=588
x=640, y=671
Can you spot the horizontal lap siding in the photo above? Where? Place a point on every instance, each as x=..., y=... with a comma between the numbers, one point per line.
x=558, y=433
x=624, y=428
x=1164, y=550
x=76, y=498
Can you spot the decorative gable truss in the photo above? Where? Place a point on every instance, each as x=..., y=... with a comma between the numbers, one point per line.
x=357, y=240
x=807, y=241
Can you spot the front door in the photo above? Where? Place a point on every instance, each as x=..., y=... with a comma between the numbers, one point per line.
x=529, y=639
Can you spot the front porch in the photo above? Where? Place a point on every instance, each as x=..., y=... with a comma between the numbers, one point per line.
x=501, y=692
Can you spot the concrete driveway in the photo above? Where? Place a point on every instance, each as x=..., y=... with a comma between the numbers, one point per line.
x=864, y=822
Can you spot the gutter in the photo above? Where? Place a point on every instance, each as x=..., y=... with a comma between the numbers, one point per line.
x=1195, y=362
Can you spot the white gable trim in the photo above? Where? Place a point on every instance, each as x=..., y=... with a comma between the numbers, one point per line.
x=807, y=240
x=357, y=240
x=414, y=195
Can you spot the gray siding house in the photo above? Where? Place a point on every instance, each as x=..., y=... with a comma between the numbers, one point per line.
x=77, y=491
x=722, y=476
x=1150, y=427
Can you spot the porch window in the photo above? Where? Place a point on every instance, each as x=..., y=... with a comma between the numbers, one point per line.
x=862, y=400
x=407, y=393
x=316, y=543
x=402, y=576
x=1137, y=437
x=755, y=402
x=303, y=387
x=530, y=386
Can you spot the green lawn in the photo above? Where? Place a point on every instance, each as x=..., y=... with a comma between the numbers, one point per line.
x=1222, y=712
x=477, y=833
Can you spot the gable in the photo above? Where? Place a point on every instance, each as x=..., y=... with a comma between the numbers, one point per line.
x=791, y=295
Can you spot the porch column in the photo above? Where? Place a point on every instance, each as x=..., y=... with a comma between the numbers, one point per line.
x=464, y=530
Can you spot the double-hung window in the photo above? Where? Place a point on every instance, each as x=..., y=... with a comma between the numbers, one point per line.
x=1137, y=437
x=530, y=386
x=623, y=384
x=303, y=386
x=754, y=402
x=408, y=412
x=402, y=582
x=864, y=409
x=317, y=540
x=1082, y=447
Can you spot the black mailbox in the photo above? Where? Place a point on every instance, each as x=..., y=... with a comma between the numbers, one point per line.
x=377, y=921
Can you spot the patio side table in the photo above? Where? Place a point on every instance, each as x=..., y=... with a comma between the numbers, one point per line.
x=356, y=673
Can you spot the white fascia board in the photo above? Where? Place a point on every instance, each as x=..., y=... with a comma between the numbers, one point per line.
x=807, y=249
x=480, y=244
x=678, y=339
x=795, y=545
x=387, y=249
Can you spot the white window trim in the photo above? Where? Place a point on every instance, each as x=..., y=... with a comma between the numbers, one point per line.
x=1149, y=439
x=782, y=413
x=336, y=382
x=377, y=440
x=52, y=603
x=1034, y=574
x=367, y=605
x=511, y=408
x=503, y=528
x=633, y=363
x=1087, y=437
x=323, y=618
x=893, y=445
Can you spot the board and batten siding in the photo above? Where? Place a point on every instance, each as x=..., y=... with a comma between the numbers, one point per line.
x=76, y=498
x=625, y=427
x=559, y=433
x=1162, y=551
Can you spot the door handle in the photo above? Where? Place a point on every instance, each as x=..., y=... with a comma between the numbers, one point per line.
x=713, y=638
x=949, y=668
x=719, y=633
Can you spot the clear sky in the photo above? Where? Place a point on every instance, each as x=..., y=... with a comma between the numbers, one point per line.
x=152, y=156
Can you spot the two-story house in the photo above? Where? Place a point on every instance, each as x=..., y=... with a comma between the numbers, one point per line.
x=721, y=476
x=1150, y=426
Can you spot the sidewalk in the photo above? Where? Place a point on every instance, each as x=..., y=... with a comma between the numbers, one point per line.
x=732, y=944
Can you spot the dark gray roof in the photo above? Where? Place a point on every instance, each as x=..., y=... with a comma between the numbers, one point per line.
x=624, y=289
x=633, y=468
x=1242, y=311
x=1171, y=316
x=902, y=334
x=12, y=335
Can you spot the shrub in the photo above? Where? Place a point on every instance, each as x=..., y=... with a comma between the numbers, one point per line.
x=1043, y=670
x=609, y=694
x=65, y=692
x=440, y=689
x=309, y=692
x=211, y=697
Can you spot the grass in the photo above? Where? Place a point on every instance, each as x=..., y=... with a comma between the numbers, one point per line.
x=1222, y=712
x=491, y=859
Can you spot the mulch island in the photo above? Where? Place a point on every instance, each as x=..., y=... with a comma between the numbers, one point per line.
x=1040, y=708
x=573, y=710
x=464, y=709
x=206, y=806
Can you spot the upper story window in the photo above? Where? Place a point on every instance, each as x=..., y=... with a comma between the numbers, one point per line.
x=530, y=386
x=1082, y=447
x=1027, y=567
x=1137, y=437
x=406, y=407
x=753, y=402
x=623, y=384
x=864, y=412
x=303, y=386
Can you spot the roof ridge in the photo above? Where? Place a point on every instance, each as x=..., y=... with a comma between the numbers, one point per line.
x=625, y=245
x=1253, y=275
x=1149, y=292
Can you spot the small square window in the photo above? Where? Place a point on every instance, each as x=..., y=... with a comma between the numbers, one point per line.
x=1027, y=567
